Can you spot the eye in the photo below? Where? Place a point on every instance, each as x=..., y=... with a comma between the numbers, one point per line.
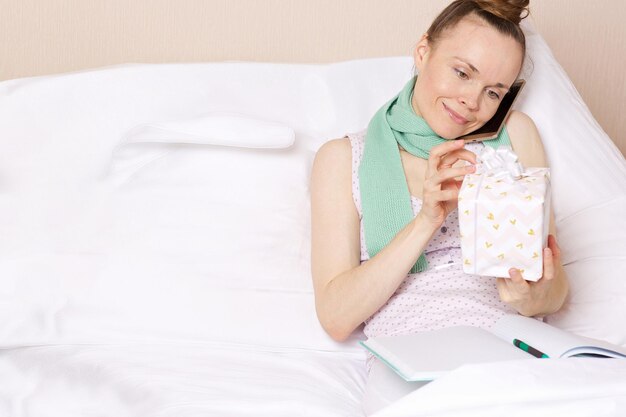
x=461, y=74
x=492, y=94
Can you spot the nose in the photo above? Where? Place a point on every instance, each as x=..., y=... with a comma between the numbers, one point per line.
x=470, y=97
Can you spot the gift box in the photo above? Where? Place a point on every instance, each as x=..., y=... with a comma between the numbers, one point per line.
x=504, y=216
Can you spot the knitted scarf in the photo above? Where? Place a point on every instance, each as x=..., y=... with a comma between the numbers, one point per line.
x=385, y=196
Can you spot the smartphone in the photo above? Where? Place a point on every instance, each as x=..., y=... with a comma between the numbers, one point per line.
x=492, y=128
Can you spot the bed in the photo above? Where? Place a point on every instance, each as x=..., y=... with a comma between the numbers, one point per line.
x=154, y=258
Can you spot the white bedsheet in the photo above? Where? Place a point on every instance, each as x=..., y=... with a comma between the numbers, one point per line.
x=177, y=380
x=223, y=379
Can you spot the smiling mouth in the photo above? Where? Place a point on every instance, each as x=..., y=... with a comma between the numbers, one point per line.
x=457, y=118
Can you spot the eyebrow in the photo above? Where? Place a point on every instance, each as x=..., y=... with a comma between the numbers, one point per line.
x=473, y=68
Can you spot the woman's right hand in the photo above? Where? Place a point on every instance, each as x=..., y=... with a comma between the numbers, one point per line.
x=441, y=189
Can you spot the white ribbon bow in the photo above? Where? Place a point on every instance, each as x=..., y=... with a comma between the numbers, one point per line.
x=502, y=163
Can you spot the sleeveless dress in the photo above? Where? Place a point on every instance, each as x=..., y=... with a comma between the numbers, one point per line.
x=441, y=296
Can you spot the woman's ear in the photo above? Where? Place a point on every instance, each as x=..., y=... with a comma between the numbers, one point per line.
x=420, y=53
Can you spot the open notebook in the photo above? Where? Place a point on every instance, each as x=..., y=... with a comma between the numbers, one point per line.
x=427, y=355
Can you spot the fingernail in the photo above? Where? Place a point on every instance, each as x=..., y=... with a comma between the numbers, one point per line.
x=547, y=251
x=512, y=271
x=470, y=168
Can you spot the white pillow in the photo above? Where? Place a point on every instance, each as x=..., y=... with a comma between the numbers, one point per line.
x=589, y=198
x=595, y=239
x=581, y=155
x=215, y=129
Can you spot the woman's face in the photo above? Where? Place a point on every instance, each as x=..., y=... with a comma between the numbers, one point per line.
x=463, y=80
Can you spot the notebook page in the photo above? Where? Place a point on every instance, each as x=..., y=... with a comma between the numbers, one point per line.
x=594, y=347
x=427, y=355
x=548, y=339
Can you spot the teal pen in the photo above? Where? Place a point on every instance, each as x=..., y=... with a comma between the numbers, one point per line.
x=529, y=349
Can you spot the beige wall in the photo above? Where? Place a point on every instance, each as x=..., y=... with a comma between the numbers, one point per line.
x=588, y=38
x=50, y=36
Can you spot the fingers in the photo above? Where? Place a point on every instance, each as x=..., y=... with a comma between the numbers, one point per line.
x=462, y=154
x=441, y=195
x=501, y=285
x=441, y=159
x=554, y=246
x=551, y=258
x=511, y=292
x=437, y=152
x=446, y=174
x=548, y=265
x=529, y=298
x=517, y=280
x=514, y=291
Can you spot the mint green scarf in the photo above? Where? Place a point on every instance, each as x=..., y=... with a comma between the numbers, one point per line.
x=385, y=196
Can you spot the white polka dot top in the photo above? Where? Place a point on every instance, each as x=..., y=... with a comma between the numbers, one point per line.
x=441, y=296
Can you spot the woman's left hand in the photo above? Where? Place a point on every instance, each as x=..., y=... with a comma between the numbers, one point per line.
x=537, y=298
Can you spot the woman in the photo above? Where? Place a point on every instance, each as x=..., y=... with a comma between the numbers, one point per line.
x=370, y=262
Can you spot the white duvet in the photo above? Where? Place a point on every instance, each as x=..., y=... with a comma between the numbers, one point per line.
x=573, y=387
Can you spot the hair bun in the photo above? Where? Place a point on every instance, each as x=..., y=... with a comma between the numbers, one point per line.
x=511, y=10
